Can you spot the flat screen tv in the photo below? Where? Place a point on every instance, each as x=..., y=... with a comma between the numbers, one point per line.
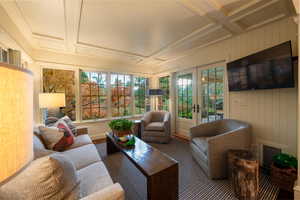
x=267, y=69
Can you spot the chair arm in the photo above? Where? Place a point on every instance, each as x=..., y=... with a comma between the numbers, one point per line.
x=112, y=192
x=204, y=130
x=146, y=119
x=81, y=130
x=219, y=145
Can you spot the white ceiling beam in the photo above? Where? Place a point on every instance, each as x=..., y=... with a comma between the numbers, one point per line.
x=213, y=11
x=72, y=13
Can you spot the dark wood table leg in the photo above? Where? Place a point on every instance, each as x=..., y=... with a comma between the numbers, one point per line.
x=110, y=146
x=163, y=185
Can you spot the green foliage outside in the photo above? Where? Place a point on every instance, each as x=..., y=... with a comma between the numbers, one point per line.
x=283, y=160
x=121, y=124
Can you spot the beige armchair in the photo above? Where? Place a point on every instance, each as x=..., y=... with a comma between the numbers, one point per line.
x=156, y=127
x=211, y=141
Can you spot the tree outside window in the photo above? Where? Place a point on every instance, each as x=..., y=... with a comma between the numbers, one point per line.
x=140, y=94
x=93, y=91
x=185, y=96
x=121, y=95
x=61, y=81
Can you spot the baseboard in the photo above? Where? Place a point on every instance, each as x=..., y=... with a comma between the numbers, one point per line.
x=181, y=137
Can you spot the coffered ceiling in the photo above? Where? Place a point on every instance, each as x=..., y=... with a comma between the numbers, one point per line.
x=150, y=32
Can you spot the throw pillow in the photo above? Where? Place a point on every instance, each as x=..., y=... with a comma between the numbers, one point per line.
x=50, y=121
x=50, y=135
x=67, y=140
x=49, y=177
x=69, y=122
x=57, y=138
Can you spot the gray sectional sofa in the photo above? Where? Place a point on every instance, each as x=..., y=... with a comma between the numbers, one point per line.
x=95, y=181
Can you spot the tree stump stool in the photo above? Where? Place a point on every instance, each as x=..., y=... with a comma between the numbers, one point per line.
x=244, y=174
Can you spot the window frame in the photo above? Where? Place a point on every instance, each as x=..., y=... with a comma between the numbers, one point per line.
x=78, y=106
x=169, y=91
x=146, y=100
x=177, y=96
x=99, y=95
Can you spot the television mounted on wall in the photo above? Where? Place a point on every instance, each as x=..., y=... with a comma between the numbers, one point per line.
x=268, y=69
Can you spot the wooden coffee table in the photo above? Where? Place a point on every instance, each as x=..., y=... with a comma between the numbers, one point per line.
x=160, y=169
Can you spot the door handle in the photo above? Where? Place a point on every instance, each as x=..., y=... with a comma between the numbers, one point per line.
x=194, y=108
x=198, y=108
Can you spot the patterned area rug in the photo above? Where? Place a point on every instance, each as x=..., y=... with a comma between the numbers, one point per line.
x=223, y=190
x=193, y=182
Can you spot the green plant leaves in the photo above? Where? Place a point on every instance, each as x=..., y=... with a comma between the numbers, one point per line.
x=283, y=160
x=121, y=124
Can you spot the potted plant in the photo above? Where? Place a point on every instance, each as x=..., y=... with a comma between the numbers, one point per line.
x=284, y=171
x=121, y=127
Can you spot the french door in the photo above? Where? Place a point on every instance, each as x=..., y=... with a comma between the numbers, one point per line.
x=200, y=96
x=210, y=98
x=186, y=98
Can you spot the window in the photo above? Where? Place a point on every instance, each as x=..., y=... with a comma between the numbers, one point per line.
x=164, y=99
x=140, y=94
x=120, y=95
x=185, y=96
x=93, y=91
x=61, y=81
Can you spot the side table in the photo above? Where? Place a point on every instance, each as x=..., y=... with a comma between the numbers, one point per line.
x=243, y=171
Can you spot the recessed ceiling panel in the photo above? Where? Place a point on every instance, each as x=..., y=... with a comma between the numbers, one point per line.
x=261, y=15
x=45, y=18
x=135, y=26
x=232, y=5
x=200, y=40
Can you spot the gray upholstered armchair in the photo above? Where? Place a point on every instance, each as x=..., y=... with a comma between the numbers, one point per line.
x=156, y=127
x=211, y=141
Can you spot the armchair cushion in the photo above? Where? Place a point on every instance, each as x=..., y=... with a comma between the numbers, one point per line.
x=155, y=126
x=201, y=143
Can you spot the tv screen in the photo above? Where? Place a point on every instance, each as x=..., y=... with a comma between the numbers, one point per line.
x=268, y=69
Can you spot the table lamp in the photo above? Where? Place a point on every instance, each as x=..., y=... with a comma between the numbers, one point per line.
x=51, y=101
x=16, y=120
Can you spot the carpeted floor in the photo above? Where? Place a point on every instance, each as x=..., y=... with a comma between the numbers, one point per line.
x=193, y=183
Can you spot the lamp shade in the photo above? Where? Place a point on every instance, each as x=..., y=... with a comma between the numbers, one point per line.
x=52, y=100
x=155, y=92
x=16, y=119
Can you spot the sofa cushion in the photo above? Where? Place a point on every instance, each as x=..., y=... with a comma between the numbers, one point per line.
x=201, y=143
x=155, y=126
x=50, y=177
x=83, y=156
x=93, y=178
x=80, y=141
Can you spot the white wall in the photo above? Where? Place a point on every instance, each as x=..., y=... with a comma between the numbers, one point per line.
x=272, y=113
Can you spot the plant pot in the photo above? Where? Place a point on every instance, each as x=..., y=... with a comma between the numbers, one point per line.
x=121, y=133
x=284, y=178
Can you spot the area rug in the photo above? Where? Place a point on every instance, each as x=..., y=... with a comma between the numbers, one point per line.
x=223, y=190
x=193, y=182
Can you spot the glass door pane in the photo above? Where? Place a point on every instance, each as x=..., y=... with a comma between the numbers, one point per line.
x=211, y=94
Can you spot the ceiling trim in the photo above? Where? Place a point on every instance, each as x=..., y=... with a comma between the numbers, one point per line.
x=110, y=50
x=44, y=36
